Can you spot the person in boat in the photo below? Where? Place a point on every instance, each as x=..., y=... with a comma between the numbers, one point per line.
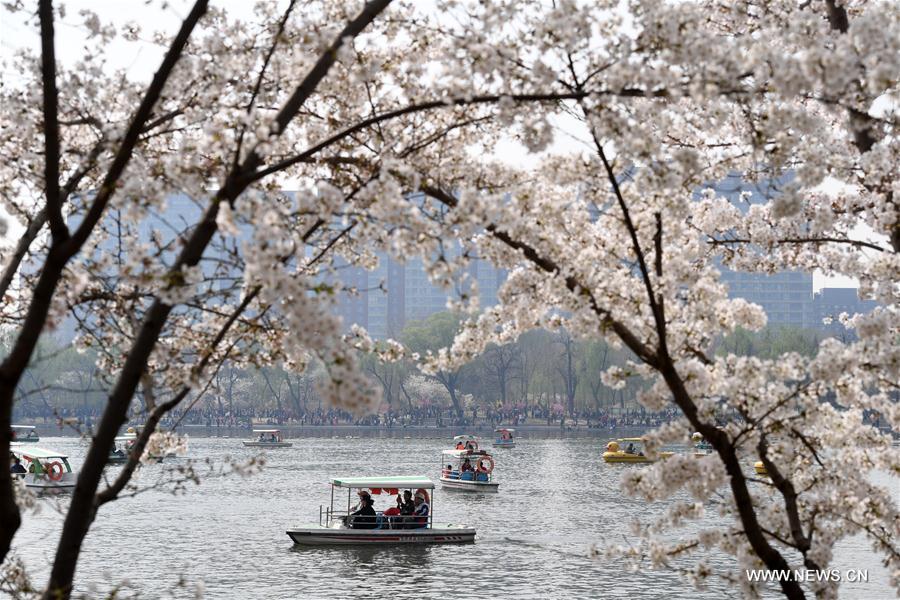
x=16, y=466
x=421, y=510
x=630, y=449
x=364, y=517
x=361, y=495
x=466, y=466
x=470, y=445
x=400, y=514
x=460, y=446
x=406, y=505
x=395, y=520
x=118, y=452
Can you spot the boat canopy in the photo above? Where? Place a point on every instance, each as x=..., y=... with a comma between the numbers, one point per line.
x=465, y=438
x=266, y=431
x=403, y=482
x=31, y=452
x=633, y=440
x=126, y=438
x=23, y=426
x=502, y=429
x=465, y=453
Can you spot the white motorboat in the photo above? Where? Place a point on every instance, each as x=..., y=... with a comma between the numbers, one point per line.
x=504, y=437
x=339, y=527
x=129, y=438
x=267, y=438
x=46, y=470
x=121, y=449
x=25, y=434
x=468, y=468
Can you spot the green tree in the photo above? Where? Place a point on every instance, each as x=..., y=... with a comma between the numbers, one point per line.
x=432, y=334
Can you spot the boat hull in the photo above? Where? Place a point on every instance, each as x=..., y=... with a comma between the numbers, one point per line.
x=624, y=457
x=268, y=444
x=504, y=444
x=43, y=484
x=316, y=535
x=470, y=486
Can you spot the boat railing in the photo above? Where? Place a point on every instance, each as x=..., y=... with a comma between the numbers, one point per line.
x=382, y=521
x=456, y=474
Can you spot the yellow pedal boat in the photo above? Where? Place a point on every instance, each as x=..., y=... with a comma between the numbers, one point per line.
x=760, y=468
x=629, y=450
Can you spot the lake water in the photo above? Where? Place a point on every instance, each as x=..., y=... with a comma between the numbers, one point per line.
x=557, y=499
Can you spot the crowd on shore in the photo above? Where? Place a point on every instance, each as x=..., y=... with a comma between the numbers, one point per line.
x=213, y=416
x=432, y=416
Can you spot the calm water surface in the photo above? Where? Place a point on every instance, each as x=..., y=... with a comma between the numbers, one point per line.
x=557, y=499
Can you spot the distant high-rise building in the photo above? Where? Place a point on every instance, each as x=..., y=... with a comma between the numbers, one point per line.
x=396, y=293
x=387, y=298
x=786, y=296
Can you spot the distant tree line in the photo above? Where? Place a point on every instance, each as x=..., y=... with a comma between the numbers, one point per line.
x=552, y=371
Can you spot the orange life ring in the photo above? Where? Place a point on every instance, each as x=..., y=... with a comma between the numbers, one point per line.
x=55, y=470
x=488, y=469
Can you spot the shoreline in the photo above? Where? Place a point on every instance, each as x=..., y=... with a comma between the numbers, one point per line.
x=291, y=431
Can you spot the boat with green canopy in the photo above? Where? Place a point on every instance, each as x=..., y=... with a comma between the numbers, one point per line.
x=45, y=470
x=363, y=525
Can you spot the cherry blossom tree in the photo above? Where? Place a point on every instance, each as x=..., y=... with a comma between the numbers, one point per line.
x=392, y=122
x=91, y=159
x=624, y=240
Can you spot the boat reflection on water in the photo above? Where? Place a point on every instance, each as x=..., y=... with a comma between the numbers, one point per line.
x=406, y=561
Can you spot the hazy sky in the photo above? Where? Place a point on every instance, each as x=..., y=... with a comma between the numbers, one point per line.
x=140, y=59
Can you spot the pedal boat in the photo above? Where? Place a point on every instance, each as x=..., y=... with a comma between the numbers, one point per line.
x=48, y=470
x=25, y=434
x=633, y=452
x=332, y=528
x=121, y=449
x=479, y=478
x=701, y=446
x=129, y=438
x=503, y=438
x=267, y=438
x=760, y=468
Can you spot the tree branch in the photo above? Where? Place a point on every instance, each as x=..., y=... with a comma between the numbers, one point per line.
x=58, y=228
x=135, y=128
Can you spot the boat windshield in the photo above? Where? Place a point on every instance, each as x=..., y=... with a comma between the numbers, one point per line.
x=627, y=446
x=268, y=435
x=23, y=432
x=505, y=435
x=465, y=442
